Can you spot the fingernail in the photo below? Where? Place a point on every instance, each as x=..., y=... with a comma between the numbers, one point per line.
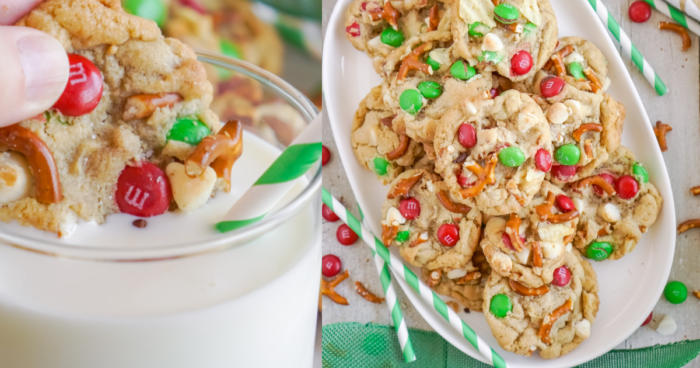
x=45, y=66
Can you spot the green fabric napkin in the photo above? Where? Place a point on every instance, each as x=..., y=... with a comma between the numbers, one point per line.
x=354, y=345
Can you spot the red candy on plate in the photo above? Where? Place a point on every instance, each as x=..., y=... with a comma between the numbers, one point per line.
x=83, y=90
x=448, y=234
x=467, y=135
x=646, y=321
x=607, y=177
x=409, y=208
x=353, y=29
x=325, y=155
x=543, y=160
x=565, y=204
x=345, y=235
x=562, y=276
x=330, y=265
x=521, y=63
x=328, y=214
x=640, y=12
x=626, y=187
x=143, y=191
x=563, y=172
x=551, y=86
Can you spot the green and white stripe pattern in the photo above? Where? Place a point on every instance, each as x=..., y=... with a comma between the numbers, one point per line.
x=392, y=301
x=276, y=181
x=675, y=14
x=403, y=272
x=628, y=48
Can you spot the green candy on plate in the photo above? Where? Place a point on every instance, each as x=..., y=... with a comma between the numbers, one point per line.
x=155, y=10
x=676, y=292
x=188, y=130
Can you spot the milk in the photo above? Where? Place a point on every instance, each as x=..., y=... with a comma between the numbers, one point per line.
x=253, y=305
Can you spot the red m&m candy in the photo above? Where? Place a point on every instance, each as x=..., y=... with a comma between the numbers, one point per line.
x=325, y=155
x=345, y=235
x=521, y=63
x=409, y=208
x=328, y=214
x=551, y=86
x=353, y=29
x=83, y=90
x=467, y=135
x=448, y=234
x=563, y=172
x=543, y=160
x=607, y=177
x=143, y=191
x=495, y=93
x=640, y=12
x=646, y=321
x=562, y=276
x=330, y=265
x=626, y=187
x=506, y=240
x=564, y=203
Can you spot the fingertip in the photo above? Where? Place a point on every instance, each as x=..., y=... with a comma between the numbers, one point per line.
x=12, y=10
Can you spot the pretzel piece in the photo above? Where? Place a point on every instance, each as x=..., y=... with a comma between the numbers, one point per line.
x=537, y=254
x=673, y=27
x=366, y=294
x=404, y=141
x=410, y=62
x=474, y=275
x=40, y=158
x=597, y=180
x=328, y=288
x=588, y=127
x=523, y=290
x=434, y=278
x=695, y=190
x=559, y=65
x=219, y=151
x=687, y=225
x=389, y=232
x=660, y=132
x=420, y=239
x=545, y=212
x=485, y=176
x=513, y=224
x=143, y=105
x=389, y=14
x=402, y=188
x=433, y=18
x=588, y=148
x=546, y=328
x=444, y=199
x=595, y=82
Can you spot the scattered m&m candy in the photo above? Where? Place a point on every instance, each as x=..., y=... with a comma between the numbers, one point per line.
x=392, y=37
x=568, y=154
x=345, y=235
x=411, y=101
x=328, y=214
x=330, y=265
x=462, y=71
x=676, y=292
x=448, y=234
x=143, y=190
x=500, y=305
x=409, y=208
x=640, y=12
x=564, y=203
x=430, y=89
x=325, y=155
x=511, y=156
x=83, y=90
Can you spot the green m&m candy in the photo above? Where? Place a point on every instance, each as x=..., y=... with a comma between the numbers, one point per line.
x=500, y=305
x=154, y=10
x=380, y=165
x=433, y=64
x=576, y=70
x=529, y=29
x=640, y=171
x=392, y=37
x=461, y=70
x=490, y=56
x=411, y=101
x=430, y=89
x=568, y=154
x=675, y=292
x=188, y=130
x=402, y=236
x=506, y=13
x=511, y=157
x=478, y=29
x=228, y=48
x=599, y=251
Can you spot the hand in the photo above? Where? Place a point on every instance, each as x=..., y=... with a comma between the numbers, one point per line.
x=34, y=67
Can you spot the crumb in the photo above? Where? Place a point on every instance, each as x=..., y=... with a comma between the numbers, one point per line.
x=453, y=305
x=140, y=223
x=367, y=260
x=467, y=311
x=697, y=293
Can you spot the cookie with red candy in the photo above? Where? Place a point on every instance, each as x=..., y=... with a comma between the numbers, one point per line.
x=618, y=204
x=430, y=229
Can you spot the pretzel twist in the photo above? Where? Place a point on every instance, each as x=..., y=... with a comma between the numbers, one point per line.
x=444, y=198
x=219, y=151
x=546, y=328
x=588, y=127
x=328, y=288
x=545, y=212
x=523, y=290
x=485, y=176
x=402, y=188
x=404, y=141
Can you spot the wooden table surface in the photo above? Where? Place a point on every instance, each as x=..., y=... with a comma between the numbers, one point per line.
x=680, y=108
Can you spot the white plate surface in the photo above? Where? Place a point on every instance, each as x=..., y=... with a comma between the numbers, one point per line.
x=629, y=288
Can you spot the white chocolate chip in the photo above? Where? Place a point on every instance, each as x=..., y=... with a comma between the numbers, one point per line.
x=583, y=329
x=441, y=55
x=558, y=113
x=455, y=274
x=190, y=193
x=471, y=109
x=551, y=250
x=492, y=43
x=435, y=275
x=423, y=235
x=393, y=215
x=375, y=43
x=68, y=224
x=667, y=326
x=554, y=232
x=569, y=247
x=606, y=84
x=575, y=106
x=534, y=175
x=574, y=57
x=523, y=255
x=430, y=186
x=15, y=177
x=609, y=212
x=579, y=204
x=450, y=149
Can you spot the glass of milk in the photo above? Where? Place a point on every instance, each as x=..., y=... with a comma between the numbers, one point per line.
x=175, y=293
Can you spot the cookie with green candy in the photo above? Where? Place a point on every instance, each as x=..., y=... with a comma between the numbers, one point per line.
x=580, y=63
x=375, y=144
x=553, y=319
x=486, y=151
x=513, y=38
x=617, y=203
x=430, y=229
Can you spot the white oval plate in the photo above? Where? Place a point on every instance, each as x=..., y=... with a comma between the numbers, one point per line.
x=629, y=288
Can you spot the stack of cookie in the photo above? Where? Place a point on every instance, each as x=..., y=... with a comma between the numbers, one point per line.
x=502, y=151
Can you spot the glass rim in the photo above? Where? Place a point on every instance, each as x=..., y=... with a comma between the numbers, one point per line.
x=221, y=242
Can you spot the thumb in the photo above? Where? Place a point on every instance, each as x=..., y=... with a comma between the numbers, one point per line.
x=34, y=73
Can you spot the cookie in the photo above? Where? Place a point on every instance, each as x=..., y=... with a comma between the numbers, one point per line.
x=580, y=63
x=376, y=146
x=465, y=285
x=515, y=38
x=430, y=230
x=555, y=322
x=611, y=225
x=386, y=30
x=529, y=245
x=486, y=152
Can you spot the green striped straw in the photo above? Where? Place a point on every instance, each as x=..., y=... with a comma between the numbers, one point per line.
x=407, y=275
x=628, y=48
x=276, y=181
x=392, y=301
x=675, y=14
